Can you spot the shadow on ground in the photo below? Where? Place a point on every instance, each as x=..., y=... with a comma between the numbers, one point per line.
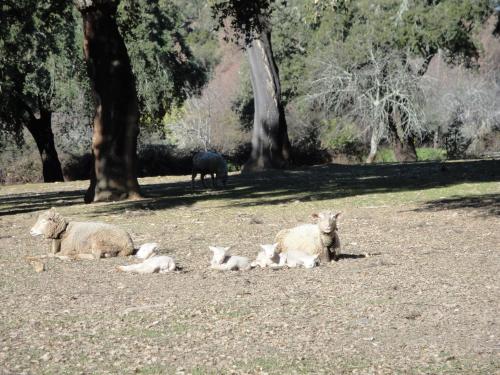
x=315, y=183
x=488, y=204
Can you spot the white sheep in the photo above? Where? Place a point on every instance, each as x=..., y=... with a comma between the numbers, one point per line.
x=146, y=250
x=82, y=240
x=320, y=239
x=297, y=258
x=157, y=263
x=224, y=262
x=211, y=163
x=267, y=257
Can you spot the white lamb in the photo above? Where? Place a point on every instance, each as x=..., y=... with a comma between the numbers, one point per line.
x=298, y=258
x=209, y=163
x=224, y=262
x=320, y=239
x=146, y=250
x=267, y=257
x=160, y=264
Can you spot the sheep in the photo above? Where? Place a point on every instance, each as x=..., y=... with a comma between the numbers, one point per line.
x=320, y=239
x=209, y=163
x=158, y=263
x=267, y=257
x=82, y=240
x=297, y=258
x=146, y=250
x=224, y=262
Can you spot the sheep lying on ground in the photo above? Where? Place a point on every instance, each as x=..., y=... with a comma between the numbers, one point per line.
x=157, y=263
x=146, y=250
x=298, y=258
x=267, y=257
x=318, y=239
x=209, y=163
x=224, y=262
x=82, y=240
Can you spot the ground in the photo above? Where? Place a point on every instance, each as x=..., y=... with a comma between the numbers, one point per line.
x=416, y=291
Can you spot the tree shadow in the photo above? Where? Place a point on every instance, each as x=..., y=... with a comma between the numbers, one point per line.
x=487, y=204
x=317, y=183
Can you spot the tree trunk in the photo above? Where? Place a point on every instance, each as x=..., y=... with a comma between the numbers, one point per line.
x=270, y=144
x=403, y=146
x=41, y=130
x=374, y=141
x=114, y=141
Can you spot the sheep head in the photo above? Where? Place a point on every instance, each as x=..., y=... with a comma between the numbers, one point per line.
x=269, y=250
x=49, y=224
x=220, y=254
x=327, y=221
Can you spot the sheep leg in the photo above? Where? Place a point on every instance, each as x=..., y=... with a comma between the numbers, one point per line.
x=214, y=185
x=56, y=246
x=193, y=177
x=203, y=180
x=325, y=255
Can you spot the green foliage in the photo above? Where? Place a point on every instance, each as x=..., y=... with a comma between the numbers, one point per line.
x=386, y=155
x=429, y=153
x=339, y=135
x=40, y=60
x=162, y=62
x=246, y=18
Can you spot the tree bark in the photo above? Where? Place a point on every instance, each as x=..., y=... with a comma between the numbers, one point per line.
x=114, y=141
x=41, y=130
x=403, y=146
x=270, y=143
x=374, y=141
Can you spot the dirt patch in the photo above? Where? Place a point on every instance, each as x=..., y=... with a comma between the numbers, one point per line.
x=427, y=303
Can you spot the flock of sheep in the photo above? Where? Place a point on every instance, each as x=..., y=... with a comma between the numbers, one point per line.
x=304, y=245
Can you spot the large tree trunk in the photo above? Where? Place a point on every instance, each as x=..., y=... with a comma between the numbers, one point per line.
x=41, y=130
x=403, y=146
x=114, y=141
x=270, y=144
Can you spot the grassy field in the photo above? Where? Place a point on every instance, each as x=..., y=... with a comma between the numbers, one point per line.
x=426, y=301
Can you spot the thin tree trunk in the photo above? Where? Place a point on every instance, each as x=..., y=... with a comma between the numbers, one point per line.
x=41, y=130
x=374, y=141
x=270, y=143
x=114, y=141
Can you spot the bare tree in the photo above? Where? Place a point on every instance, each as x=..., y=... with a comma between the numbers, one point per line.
x=207, y=123
x=373, y=94
x=464, y=109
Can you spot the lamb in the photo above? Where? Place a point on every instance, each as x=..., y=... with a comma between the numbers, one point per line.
x=82, y=240
x=267, y=257
x=320, y=239
x=224, y=262
x=158, y=263
x=297, y=258
x=146, y=250
x=209, y=163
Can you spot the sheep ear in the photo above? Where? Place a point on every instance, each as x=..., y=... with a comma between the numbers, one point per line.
x=314, y=215
x=213, y=248
x=337, y=215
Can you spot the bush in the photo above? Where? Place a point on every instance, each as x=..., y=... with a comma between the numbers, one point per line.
x=429, y=153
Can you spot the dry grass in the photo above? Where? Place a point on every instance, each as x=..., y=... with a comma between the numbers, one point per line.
x=428, y=304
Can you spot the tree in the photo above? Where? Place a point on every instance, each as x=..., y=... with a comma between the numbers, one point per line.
x=415, y=30
x=38, y=70
x=249, y=22
x=368, y=93
x=114, y=141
